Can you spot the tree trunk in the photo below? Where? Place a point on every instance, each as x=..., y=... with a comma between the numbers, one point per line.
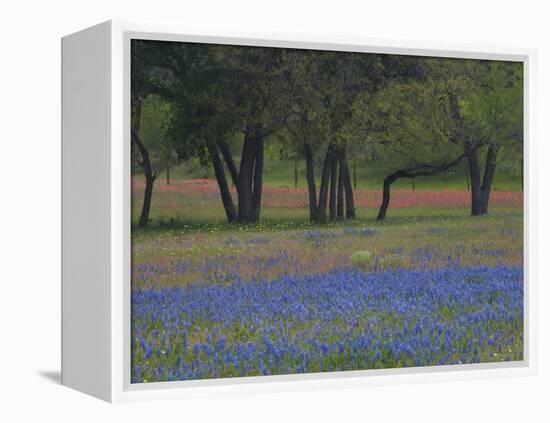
x=246, y=174
x=475, y=182
x=295, y=173
x=147, y=196
x=168, y=172
x=226, y=153
x=340, y=194
x=136, y=114
x=323, y=190
x=145, y=164
x=386, y=193
x=333, y=186
x=225, y=193
x=354, y=175
x=488, y=176
x=350, y=203
x=250, y=176
x=422, y=170
x=258, y=177
x=247, y=180
x=312, y=189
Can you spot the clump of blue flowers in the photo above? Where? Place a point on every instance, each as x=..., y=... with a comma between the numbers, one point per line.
x=362, y=232
x=343, y=320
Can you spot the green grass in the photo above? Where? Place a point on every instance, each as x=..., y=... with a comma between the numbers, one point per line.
x=190, y=226
x=284, y=219
x=444, y=234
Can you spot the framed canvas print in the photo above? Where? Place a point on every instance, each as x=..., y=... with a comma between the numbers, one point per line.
x=274, y=211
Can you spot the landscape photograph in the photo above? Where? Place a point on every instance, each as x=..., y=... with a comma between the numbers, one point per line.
x=304, y=211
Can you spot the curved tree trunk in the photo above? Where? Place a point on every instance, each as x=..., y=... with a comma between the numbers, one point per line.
x=386, y=194
x=422, y=170
x=150, y=178
x=145, y=163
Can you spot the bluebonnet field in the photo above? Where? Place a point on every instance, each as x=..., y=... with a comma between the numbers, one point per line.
x=211, y=302
x=343, y=320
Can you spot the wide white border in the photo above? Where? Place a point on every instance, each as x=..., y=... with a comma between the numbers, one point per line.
x=122, y=390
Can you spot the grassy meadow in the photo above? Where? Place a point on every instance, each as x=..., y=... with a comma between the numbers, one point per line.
x=430, y=285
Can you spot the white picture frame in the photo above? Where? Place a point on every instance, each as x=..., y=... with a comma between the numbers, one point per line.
x=96, y=227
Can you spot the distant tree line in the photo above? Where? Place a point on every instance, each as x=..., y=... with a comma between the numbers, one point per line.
x=223, y=104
